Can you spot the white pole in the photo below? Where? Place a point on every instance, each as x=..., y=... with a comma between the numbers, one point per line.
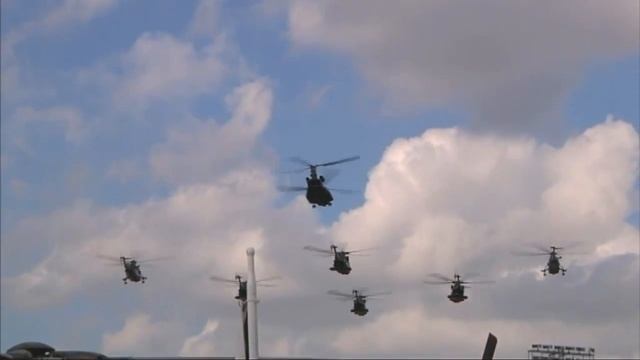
x=252, y=306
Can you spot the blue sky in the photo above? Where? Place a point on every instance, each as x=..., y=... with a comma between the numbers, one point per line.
x=96, y=94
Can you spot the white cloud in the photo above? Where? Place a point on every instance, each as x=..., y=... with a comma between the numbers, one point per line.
x=511, y=63
x=446, y=200
x=68, y=118
x=67, y=13
x=203, y=149
x=202, y=343
x=317, y=95
x=64, y=15
x=124, y=170
x=142, y=336
x=205, y=18
x=483, y=195
x=161, y=66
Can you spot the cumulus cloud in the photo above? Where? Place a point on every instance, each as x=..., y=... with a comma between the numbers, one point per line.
x=161, y=66
x=452, y=201
x=140, y=335
x=510, y=63
x=482, y=195
x=64, y=15
x=203, y=149
x=202, y=343
x=443, y=201
x=205, y=18
x=68, y=118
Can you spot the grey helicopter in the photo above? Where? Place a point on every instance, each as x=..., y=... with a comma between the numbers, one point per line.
x=359, y=299
x=317, y=193
x=239, y=281
x=131, y=266
x=340, y=257
x=457, y=285
x=553, y=266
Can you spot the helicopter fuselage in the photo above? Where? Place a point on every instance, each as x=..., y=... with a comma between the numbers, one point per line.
x=242, y=291
x=553, y=265
x=317, y=193
x=341, y=263
x=133, y=272
x=457, y=293
x=359, y=306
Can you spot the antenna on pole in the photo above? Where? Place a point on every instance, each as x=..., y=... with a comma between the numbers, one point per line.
x=252, y=306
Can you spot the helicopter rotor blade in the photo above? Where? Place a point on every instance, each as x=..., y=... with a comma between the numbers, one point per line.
x=352, y=158
x=221, y=279
x=440, y=277
x=285, y=188
x=318, y=250
x=478, y=282
x=300, y=161
x=360, y=250
x=162, y=258
x=267, y=285
x=330, y=174
x=469, y=275
x=341, y=294
x=530, y=253
x=436, y=282
x=109, y=257
x=269, y=279
x=381, y=293
x=296, y=171
x=343, y=191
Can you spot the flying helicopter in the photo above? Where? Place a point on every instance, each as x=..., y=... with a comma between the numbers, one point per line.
x=359, y=299
x=457, y=288
x=131, y=266
x=316, y=192
x=241, y=283
x=340, y=257
x=553, y=264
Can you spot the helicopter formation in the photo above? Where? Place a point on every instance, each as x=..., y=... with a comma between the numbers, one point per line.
x=318, y=194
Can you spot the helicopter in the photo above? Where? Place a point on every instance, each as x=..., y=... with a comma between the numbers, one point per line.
x=317, y=193
x=359, y=299
x=242, y=284
x=457, y=288
x=553, y=264
x=131, y=267
x=340, y=257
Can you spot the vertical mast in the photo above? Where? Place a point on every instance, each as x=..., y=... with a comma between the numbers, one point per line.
x=252, y=306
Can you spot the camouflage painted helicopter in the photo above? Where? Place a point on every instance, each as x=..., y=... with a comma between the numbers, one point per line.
x=340, y=257
x=359, y=299
x=553, y=264
x=241, y=283
x=457, y=288
x=316, y=192
x=131, y=266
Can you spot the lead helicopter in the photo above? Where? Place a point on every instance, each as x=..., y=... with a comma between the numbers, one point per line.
x=457, y=288
x=316, y=191
x=553, y=263
x=359, y=299
x=131, y=266
x=340, y=257
x=239, y=281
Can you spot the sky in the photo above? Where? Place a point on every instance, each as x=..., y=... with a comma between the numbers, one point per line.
x=164, y=128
